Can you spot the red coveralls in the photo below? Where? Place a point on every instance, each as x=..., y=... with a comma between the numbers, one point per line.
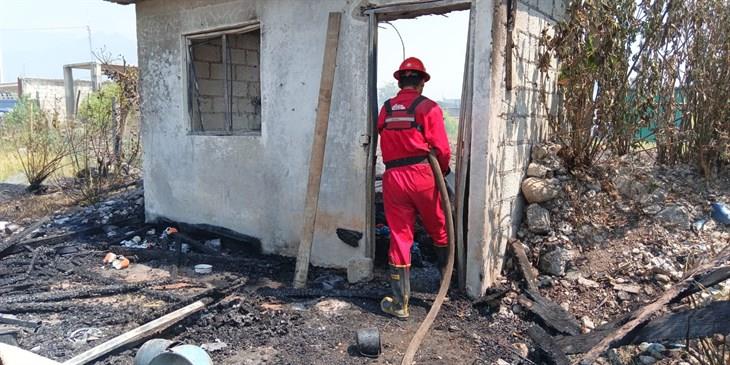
x=411, y=189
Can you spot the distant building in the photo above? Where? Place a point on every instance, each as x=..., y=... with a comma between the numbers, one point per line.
x=49, y=93
x=7, y=102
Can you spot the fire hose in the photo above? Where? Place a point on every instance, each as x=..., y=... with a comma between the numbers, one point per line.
x=446, y=277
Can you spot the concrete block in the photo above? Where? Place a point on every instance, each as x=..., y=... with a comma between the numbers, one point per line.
x=505, y=212
x=537, y=22
x=359, y=269
x=246, y=73
x=254, y=89
x=511, y=184
x=219, y=104
x=238, y=57
x=240, y=88
x=522, y=17
x=207, y=52
x=559, y=9
x=217, y=71
x=252, y=58
x=210, y=87
x=213, y=121
x=202, y=69
x=244, y=105
x=546, y=6
x=249, y=40
x=205, y=103
x=508, y=158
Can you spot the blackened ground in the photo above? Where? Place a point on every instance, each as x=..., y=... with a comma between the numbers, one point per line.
x=255, y=328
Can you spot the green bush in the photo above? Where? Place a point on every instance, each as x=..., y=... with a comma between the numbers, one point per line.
x=37, y=139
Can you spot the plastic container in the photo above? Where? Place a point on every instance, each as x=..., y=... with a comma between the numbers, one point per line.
x=183, y=355
x=203, y=268
x=150, y=350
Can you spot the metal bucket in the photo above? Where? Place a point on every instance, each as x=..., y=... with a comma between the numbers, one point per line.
x=183, y=355
x=150, y=349
x=368, y=342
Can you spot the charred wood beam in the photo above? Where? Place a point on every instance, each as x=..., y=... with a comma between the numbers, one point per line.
x=416, y=8
x=16, y=308
x=528, y=272
x=171, y=256
x=6, y=319
x=695, y=323
x=13, y=240
x=215, y=231
x=549, y=351
x=641, y=316
x=80, y=293
x=17, y=246
x=549, y=313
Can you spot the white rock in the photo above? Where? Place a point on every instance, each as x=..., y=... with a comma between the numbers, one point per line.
x=536, y=170
x=522, y=349
x=332, y=306
x=628, y=186
x=538, y=190
x=539, y=152
x=214, y=346
x=587, y=282
x=587, y=322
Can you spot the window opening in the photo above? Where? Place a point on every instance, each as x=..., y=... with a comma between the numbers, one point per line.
x=224, y=82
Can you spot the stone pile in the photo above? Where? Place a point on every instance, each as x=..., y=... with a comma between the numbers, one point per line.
x=613, y=236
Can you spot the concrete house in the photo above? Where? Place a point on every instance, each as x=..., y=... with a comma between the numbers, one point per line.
x=229, y=95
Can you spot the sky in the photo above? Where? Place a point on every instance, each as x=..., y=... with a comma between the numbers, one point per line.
x=438, y=40
x=37, y=37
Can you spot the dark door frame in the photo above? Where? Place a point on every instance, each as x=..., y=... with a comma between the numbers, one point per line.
x=409, y=10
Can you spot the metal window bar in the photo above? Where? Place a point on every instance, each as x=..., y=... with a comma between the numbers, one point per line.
x=227, y=99
x=194, y=92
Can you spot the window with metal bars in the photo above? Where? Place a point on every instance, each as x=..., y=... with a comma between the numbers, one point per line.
x=224, y=84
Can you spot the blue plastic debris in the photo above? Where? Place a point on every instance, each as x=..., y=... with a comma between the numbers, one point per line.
x=720, y=213
x=382, y=230
x=699, y=225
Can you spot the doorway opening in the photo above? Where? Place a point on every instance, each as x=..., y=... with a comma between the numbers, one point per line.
x=441, y=42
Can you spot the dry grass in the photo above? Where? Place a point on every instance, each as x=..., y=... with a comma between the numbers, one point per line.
x=9, y=163
x=32, y=206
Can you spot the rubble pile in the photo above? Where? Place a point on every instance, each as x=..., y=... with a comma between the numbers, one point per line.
x=610, y=238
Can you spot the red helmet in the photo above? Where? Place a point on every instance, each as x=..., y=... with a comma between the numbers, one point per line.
x=412, y=64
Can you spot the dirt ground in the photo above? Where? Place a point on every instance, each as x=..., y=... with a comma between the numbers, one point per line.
x=256, y=326
x=613, y=240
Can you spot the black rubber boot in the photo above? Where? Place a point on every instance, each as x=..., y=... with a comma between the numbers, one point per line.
x=400, y=284
x=442, y=257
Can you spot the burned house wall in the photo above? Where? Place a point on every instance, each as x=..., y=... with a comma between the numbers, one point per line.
x=256, y=183
x=505, y=132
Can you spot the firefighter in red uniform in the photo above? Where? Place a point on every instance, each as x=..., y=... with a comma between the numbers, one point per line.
x=410, y=126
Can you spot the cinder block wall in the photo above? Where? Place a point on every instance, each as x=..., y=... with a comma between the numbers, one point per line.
x=51, y=94
x=245, y=85
x=523, y=115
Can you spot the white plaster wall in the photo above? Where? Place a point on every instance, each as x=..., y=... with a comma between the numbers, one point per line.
x=257, y=184
x=505, y=126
